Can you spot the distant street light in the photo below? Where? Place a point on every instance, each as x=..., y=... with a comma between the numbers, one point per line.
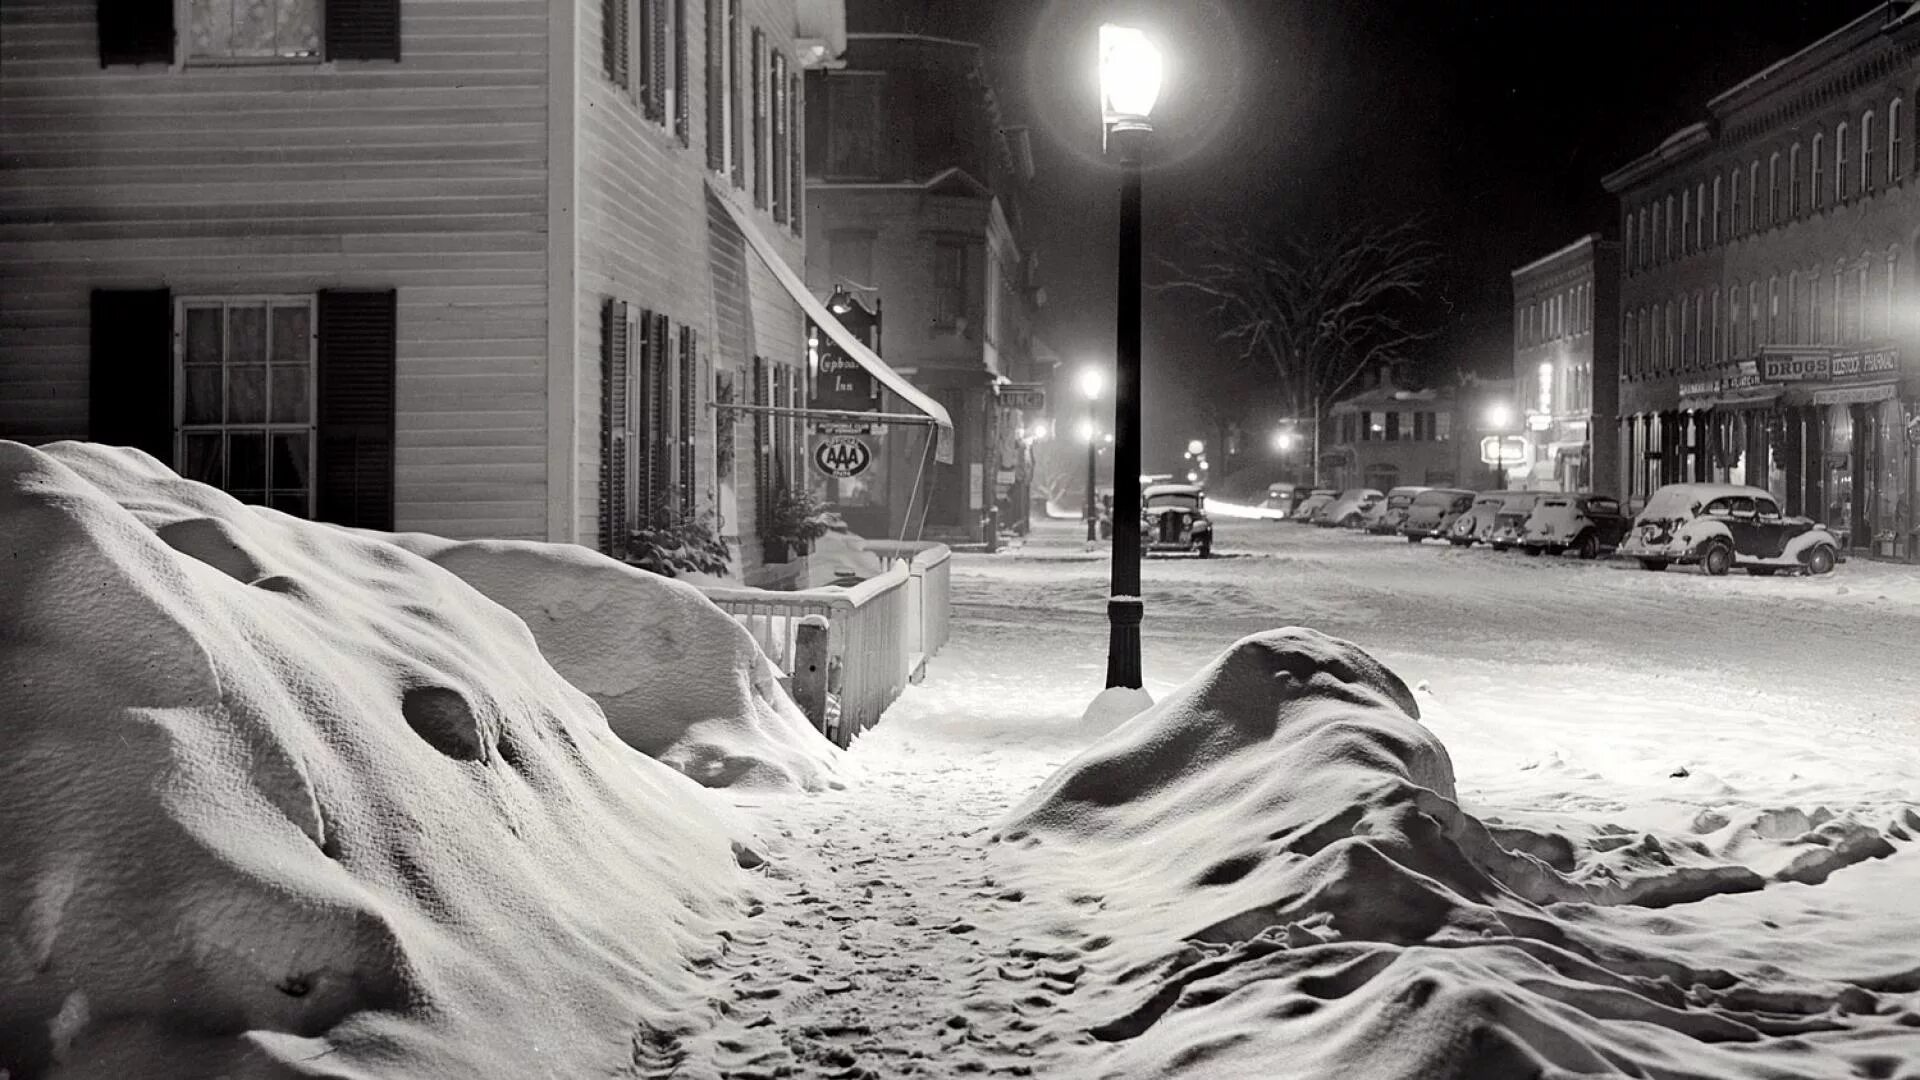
x=1499, y=415
x=1130, y=70
x=1091, y=382
x=1088, y=432
x=1282, y=441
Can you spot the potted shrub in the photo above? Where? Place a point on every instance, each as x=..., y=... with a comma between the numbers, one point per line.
x=676, y=544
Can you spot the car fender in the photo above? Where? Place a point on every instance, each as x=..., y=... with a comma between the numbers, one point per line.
x=1801, y=546
x=1697, y=534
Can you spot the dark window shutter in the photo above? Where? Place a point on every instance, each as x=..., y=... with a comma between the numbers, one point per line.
x=689, y=426
x=356, y=396
x=759, y=70
x=659, y=416
x=615, y=355
x=762, y=475
x=363, y=29
x=796, y=138
x=616, y=42
x=734, y=97
x=716, y=89
x=134, y=31
x=130, y=376
x=682, y=108
x=656, y=59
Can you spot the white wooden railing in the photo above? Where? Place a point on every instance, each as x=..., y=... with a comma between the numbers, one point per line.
x=877, y=635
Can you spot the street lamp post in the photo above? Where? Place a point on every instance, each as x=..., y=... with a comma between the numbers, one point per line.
x=1090, y=384
x=1129, y=83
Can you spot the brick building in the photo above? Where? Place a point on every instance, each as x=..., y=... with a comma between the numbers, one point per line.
x=1387, y=435
x=1767, y=288
x=476, y=269
x=914, y=192
x=1565, y=344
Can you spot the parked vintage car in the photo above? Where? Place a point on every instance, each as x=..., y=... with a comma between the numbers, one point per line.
x=1721, y=526
x=1307, y=507
x=1173, y=518
x=1281, y=499
x=1389, y=520
x=1433, y=512
x=1581, y=522
x=1350, y=509
x=1510, y=524
x=1470, y=527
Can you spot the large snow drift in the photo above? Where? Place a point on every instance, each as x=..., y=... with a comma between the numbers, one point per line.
x=277, y=799
x=678, y=679
x=1270, y=876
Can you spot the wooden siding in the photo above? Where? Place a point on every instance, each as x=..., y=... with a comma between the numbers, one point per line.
x=427, y=176
x=645, y=236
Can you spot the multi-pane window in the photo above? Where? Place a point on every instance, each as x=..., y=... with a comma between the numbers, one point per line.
x=1627, y=330
x=949, y=284
x=1753, y=315
x=1817, y=166
x=1699, y=319
x=1793, y=181
x=1733, y=220
x=244, y=408
x=762, y=90
x=1773, y=310
x=1716, y=210
x=1700, y=216
x=853, y=124
x=1754, y=219
x=254, y=31
x=1840, y=192
x=1734, y=324
x=1666, y=239
x=1659, y=255
x=1867, y=177
x=1686, y=222
x=1713, y=326
x=1686, y=310
x=1773, y=189
x=1895, y=167
x=779, y=158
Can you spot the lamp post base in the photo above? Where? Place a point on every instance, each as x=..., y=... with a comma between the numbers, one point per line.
x=1123, y=641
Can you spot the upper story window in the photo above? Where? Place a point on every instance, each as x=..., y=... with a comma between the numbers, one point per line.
x=1818, y=170
x=1659, y=254
x=1773, y=189
x=1666, y=241
x=260, y=30
x=1896, y=168
x=1754, y=220
x=1840, y=191
x=1867, y=178
x=1733, y=219
x=949, y=285
x=1734, y=323
x=1686, y=221
x=1700, y=216
x=1716, y=210
x=1645, y=256
x=1793, y=181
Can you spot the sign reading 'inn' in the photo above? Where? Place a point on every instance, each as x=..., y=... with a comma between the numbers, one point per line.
x=1823, y=365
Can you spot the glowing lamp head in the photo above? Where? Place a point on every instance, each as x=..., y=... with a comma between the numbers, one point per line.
x=1091, y=382
x=1283, y=441
x=1499, y=415
x=1087, y=431
x=1195, y=446
x=1129, y=75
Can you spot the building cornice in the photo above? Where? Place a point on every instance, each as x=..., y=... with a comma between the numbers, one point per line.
x=1680, y=146
x=1585, y=243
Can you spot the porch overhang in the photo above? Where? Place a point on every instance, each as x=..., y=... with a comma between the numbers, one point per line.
x=825, y=320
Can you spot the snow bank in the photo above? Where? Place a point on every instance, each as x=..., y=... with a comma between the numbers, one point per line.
x=678, y=678
x=277, y=799
x=1270, y=876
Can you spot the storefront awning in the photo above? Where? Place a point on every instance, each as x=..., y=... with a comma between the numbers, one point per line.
x=852, y=346
x=1731, y=399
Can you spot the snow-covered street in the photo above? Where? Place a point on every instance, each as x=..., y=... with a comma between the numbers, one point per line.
x=1586, y=699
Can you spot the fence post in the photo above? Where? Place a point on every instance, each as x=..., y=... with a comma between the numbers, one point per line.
x=810, y=669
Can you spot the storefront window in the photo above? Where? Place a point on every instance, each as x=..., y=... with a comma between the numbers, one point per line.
x=1838, y=514
x=1887, y=471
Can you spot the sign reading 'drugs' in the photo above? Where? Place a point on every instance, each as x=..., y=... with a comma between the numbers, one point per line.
x=842, y=456
x=1821, y=366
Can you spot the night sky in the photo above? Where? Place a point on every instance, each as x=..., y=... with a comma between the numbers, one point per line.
x=1492, y=121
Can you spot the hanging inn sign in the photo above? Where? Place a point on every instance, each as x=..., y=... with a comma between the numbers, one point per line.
x=841, y=384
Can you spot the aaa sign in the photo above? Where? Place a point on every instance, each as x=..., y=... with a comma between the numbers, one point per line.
x=842, y=456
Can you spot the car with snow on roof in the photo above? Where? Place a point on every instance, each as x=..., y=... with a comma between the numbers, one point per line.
x=1582, y=522
x=1723, y=526
x=1173, y=517
x=1510, y=524
x=1309, y=506
x=1394, y=511
x=1469, y=527
x=1434, y=511
x=1350, y=509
